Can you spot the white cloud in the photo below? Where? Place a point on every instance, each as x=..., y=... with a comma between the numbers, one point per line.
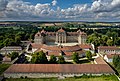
x=98, y=10
x=115, y=2
x=54, y=2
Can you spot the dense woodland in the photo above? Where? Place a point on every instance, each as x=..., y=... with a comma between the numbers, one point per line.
x=13, y=34
x=10, y=36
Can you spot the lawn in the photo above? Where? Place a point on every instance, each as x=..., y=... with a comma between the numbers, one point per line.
x=83, y=78
x=3, y=67
x=86, y=61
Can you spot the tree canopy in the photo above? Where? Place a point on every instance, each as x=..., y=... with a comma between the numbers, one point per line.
x=53, y=59
x=39, y=58
x=61, y=60
x=12, y=35
x=75, y=57
x=110, y=38
x=116, y=61
x=13, y=55
x=89, y=55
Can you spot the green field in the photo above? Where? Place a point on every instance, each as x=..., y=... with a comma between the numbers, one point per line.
x=3, y=67
x=83, y=78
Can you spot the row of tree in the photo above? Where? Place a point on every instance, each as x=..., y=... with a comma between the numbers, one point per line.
x=40, y=58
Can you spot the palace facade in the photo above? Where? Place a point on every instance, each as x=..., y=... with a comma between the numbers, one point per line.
x=61, y=36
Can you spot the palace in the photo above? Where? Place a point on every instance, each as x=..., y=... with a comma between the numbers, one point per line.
x=61, y=36
x=60, y=43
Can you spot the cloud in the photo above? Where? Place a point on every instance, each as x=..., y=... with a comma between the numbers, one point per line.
x=54, y=2
x=98, y=10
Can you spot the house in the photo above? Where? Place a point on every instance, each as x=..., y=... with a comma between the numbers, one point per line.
x=56, y=70
x=10, y=49
x=31, y=48
x=109, y=57
x=87, y=47
x=6, y=60
x=108, y=49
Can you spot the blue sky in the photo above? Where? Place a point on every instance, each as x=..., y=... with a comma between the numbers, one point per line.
x=54, y=10
x=62, y=3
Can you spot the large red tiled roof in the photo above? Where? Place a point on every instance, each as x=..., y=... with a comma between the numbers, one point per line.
x=61, y=30
x=56, y=50
x=108, y=47
x=99, y=60
x=85, y=46
x=59, y=68
x=36, y=45
x=57, y=53
x=59, y=48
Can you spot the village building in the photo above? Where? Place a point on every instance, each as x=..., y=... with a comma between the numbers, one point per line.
x=56, y=70
x=108, y=50
x=6, y=60
x=10, y=49
x=109, y=57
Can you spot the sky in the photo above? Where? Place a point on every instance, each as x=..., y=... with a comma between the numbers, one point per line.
x=59, y=10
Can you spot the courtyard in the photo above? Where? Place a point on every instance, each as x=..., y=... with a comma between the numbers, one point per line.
x=63, y=44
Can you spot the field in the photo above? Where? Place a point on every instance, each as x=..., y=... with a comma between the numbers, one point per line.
x=83, y=78
x=3, y=67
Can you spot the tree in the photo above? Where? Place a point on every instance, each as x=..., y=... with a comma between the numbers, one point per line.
x=39, y=58
x=61, y=60
x=89, y=55
x=94, y=39
x=114, y=37
x=1, y=58
x=116, y=61
x=109, y=33
x=118, y=41
x=13, y=55
x=109, y=42
x=8, y=42
x=52, y=59
x=75, y=57
x=17, y=40
x=104, y=39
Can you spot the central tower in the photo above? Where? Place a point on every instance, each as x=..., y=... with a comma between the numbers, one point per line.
x=61, y=36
